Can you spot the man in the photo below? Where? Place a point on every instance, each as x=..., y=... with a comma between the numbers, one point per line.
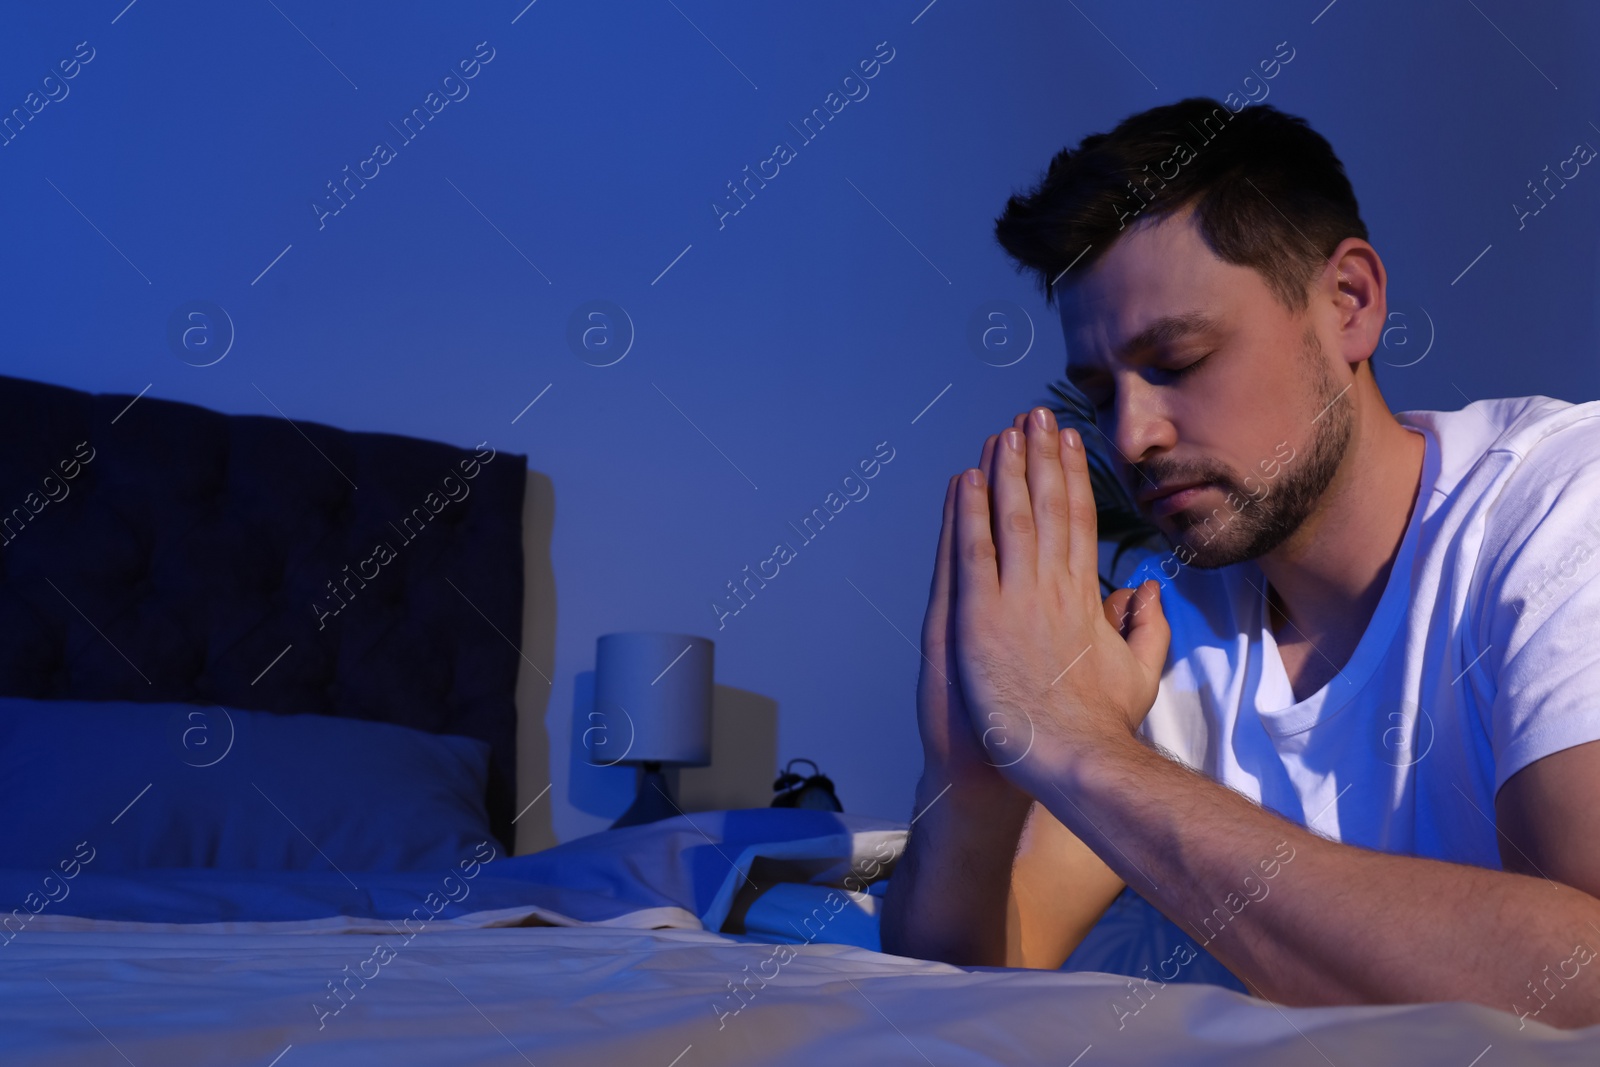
x=1344, y=732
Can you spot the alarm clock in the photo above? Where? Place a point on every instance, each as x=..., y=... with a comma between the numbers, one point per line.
x=797, y=791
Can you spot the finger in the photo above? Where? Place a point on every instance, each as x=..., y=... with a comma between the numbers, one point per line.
x=976, y=578
x=1115, y=607
x=986, y=464
x=1021, y=421
x=1047, y=488
x=986, y=461
x=935, y=626
x=1149, y=634
x=1014, y=525
x=1083, y=551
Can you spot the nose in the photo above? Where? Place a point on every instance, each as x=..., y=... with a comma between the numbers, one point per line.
x=1140, y=424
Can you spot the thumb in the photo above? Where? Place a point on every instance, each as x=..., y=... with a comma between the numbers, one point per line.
x=1145, y=627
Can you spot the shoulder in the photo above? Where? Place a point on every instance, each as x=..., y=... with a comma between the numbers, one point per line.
x=1512, y=445
x=1541, y=480
x=1531, y=525
x=1519, y=474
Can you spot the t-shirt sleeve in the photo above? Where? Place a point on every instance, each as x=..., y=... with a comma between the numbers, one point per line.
x=1538, y=626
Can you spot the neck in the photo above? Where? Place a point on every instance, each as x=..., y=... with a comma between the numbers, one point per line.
x=1326, y=579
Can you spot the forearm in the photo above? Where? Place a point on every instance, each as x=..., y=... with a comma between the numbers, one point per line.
x=1307, y=921
x=948, y=898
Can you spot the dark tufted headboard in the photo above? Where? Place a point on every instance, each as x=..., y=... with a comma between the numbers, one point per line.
x=158, y=551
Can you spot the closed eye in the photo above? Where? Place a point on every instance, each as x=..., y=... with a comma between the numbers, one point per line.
x=1179, y=372
x=1104, y=402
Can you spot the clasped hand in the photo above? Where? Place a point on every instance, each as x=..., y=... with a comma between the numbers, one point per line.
x=1032, y=672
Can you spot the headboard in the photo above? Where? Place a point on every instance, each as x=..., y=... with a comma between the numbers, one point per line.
x=157, y=551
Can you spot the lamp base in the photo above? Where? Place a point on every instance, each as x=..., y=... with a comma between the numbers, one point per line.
x=654, y=801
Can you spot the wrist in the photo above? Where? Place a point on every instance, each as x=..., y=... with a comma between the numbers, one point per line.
x=1077, y=767
x=1097, y=767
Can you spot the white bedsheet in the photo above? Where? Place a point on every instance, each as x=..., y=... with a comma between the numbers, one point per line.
x=598, y=996
x=602, y=987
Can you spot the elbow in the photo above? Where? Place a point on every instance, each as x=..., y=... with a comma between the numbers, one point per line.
x=903, y=930
x=896, y=936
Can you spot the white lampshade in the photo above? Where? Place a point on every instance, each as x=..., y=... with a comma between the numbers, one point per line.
x=652, y=700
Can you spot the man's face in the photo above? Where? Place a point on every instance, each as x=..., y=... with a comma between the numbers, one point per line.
x=1198, y=374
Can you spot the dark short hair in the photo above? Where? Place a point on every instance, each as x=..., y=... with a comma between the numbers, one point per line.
x=1268, y=192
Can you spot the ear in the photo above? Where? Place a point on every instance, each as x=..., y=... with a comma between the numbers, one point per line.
x=1360, y=302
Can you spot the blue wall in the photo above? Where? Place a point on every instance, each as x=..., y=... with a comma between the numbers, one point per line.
x=774, y=348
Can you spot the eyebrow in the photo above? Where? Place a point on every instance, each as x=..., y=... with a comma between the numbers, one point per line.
x=1160, y=333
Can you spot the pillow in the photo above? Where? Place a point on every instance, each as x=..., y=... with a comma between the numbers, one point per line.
x=133, y=785
x=794, y=913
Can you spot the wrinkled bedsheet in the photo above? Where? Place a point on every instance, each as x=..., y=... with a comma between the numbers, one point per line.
x=608, y=950
x=672, y=998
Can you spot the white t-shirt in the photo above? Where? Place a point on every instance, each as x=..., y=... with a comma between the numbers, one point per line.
x=1482, y=656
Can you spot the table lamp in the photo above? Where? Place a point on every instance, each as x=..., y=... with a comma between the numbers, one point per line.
x=652, y=707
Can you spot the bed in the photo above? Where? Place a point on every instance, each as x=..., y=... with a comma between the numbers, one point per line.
x=258, y=744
